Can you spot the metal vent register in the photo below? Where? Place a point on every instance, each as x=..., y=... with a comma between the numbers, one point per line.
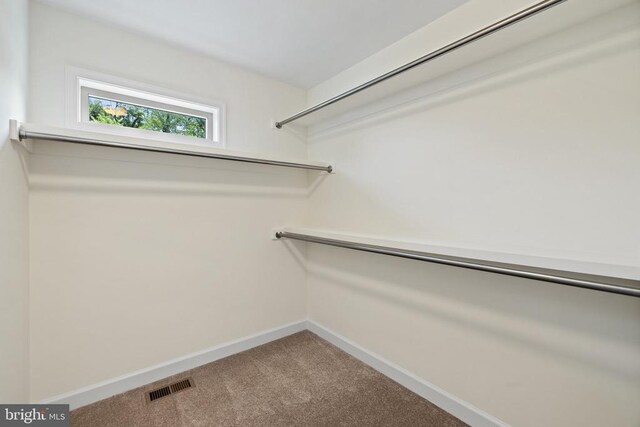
x=170, y=389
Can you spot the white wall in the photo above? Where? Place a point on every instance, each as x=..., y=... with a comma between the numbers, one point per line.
x=138, y=258
x=14, y=269
x=540, y=158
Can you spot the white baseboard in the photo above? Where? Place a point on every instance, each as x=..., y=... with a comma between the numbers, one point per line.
x=459, y=408
x=95, y=392
x=456, y=407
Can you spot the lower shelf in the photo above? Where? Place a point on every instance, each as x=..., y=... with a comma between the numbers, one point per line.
x=616, y=285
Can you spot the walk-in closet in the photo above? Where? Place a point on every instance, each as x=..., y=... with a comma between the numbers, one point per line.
x=320, y=213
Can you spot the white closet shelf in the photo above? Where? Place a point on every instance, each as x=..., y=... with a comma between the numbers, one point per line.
x=619, y=279
x=22, y=132
x=551, y=19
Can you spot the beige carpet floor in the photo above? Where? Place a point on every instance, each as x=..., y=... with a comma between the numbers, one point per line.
x=299, y=380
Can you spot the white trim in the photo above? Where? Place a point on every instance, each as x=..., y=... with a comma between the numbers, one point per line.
x=450, y=403
x=455, y=406
x=77, y=78
x=105, y=389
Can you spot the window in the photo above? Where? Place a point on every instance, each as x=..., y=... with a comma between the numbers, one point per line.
x=113, y=107
x=119, y=113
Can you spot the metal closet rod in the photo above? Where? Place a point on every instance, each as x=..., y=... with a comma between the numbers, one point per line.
x=495, y=27
x=473, y=264
x=24, y=134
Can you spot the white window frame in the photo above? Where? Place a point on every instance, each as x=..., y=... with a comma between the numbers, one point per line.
x=81, y=84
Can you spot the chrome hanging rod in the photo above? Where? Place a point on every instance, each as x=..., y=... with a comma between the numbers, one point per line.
x=495, y=27
x=24, y=134
x=474, y=264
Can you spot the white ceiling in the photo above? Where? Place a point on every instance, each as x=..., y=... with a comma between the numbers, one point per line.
x=301, y=42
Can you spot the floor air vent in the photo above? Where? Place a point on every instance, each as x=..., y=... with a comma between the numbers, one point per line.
x=168, y=390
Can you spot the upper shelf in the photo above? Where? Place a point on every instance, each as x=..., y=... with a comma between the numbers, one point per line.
x=25, y=131
x=473, y=48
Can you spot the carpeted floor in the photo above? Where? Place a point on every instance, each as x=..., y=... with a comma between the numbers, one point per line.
x=295, y=381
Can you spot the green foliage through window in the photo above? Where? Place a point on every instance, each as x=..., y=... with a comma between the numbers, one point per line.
x=135, y=116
